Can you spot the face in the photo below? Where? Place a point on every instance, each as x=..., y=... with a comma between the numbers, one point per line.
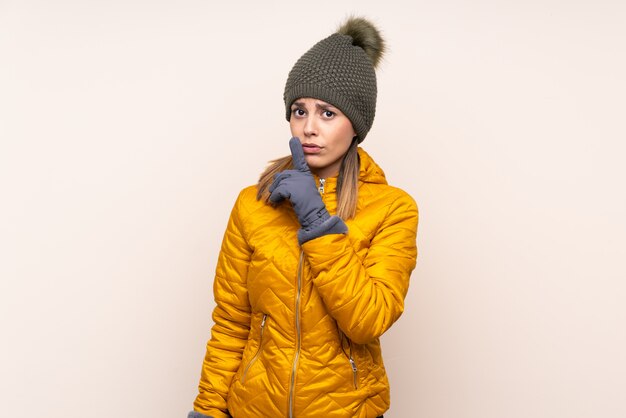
x=325, y=134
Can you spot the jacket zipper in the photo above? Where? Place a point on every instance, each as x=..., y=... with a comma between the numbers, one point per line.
x=243, y=377
x=297, y=355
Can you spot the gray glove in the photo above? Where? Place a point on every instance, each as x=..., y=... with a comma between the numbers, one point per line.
x=299, y=187
x=194, y=414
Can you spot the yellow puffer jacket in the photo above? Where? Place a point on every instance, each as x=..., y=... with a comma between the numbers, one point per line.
x=297, y=329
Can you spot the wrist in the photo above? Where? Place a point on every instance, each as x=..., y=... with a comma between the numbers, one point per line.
x=325, y=225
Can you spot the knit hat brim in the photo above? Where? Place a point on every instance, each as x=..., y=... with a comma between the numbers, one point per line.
x=331, y=96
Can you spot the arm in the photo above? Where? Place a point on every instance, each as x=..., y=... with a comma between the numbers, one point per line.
x=367, y=296
x=231, y=317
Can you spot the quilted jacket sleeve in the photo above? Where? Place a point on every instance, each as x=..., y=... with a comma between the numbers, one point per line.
x=366, y=296
x=231, y=318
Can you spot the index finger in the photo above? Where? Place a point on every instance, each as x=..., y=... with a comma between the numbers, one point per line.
x=297, y=154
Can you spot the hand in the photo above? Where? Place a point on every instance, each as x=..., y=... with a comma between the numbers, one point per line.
x=298, y=185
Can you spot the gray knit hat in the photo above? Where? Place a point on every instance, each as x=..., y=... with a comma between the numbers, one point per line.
x=340, y=70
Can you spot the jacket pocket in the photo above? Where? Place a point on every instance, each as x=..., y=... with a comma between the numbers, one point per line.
x=258, y=351
x=350, y=357
x=355, y=371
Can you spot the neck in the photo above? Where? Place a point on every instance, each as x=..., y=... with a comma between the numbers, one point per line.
x=324, y=174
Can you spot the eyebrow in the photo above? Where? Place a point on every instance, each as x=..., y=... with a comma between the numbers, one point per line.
x=319, y=106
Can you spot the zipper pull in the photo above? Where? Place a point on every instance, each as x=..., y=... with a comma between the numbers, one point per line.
x=263, y=320
x=354, y=373
x=353, y=364
x=321, y=188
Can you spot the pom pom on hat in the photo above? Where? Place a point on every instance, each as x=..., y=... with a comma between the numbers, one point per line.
x=365, y=35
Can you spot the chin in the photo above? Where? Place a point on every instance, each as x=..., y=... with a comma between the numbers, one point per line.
x=313, y=161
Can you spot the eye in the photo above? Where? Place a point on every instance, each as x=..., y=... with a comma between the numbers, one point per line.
x=328, y=114
x=298, y=111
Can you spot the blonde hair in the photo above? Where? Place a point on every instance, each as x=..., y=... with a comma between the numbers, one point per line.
x=347, y=182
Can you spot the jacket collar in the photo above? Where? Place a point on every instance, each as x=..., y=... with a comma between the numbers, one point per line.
x=369, y=172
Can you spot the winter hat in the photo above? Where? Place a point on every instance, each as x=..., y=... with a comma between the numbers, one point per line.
x=340, y=70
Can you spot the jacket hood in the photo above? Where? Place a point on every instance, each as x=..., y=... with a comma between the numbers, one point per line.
x=370, y=172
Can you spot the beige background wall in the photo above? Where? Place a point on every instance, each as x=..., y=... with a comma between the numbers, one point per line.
x=128, y=127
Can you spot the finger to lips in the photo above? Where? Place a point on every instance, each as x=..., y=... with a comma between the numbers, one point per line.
x=297, y=154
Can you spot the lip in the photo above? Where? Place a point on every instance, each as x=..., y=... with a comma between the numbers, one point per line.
x=309, y=148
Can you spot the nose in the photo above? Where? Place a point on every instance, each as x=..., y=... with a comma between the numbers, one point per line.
x=310, y=127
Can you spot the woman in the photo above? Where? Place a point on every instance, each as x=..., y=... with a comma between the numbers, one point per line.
x=316, y=258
